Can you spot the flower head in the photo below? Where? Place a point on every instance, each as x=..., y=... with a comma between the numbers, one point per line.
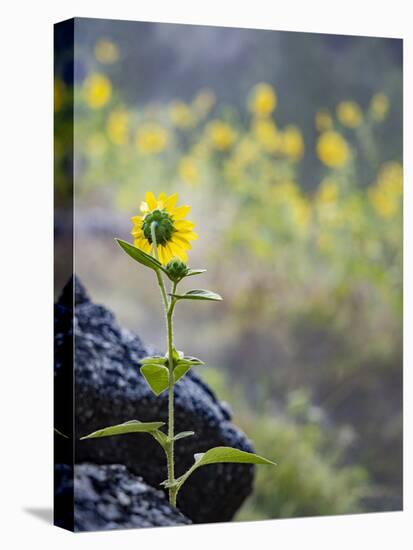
x=379, y=106
x=98, y=90
x=263, y=99
x=349, y=114
x=332, y=149
x=151, y=138
x=106, y=52
x=172, y=232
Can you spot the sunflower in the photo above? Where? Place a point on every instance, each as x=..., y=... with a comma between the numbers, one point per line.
x=173, y=233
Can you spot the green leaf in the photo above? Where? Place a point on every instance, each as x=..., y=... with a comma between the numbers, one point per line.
x=157, y=377
x=189, y=360
x=180, y=371
x=139, y=255
x=154, y=359
x=161, y=438
x=219, y=455
x=195, y=272
x=181, y=435
x=61, y=433
x=183, y=365
x=198, y=294
x=131, y=426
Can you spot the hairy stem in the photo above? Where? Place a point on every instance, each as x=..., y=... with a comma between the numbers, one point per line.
x=169, y=306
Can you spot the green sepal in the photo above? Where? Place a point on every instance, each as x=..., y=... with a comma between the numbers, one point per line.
x=198, y=294
x=132, y=426
x=156, y=376
x=139, y=255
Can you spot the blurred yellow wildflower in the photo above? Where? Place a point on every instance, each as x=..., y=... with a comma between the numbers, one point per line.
x=263, y=99
x=59, y=94
x=385, y=194
x=379, y=106
x=221, y=135
x=98, y=90
x=323, y=120
x=180, y=114
x=287, y=197
x=349, y=114
x=267, y=135
x=332, y=149
x=188, y=171
x=173, y=232
x=247, y=151
x=327, y=192
x=106, y=52
x=117, y=127
x=96, y=144
x=151, y=138
x=292, y=143
x=203, y=102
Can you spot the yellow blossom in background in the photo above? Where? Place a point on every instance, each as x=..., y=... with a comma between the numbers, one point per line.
x=59, y=93
x=151, y=138
x=117, y=127
x=96, y=145
x=106, y=52
x=323, y=120
x=173, y=232
x=247, y=151
x=188, y=171
x=327, y=192
x=263, y=99
x=292, y=143
x=386, y=193
x=203, y=102
x=180, y=114
x=98, y=90
x=287, y=197
x=349, y=114
x=267, y=135
x=391, y=177
x=221, y=135
x=332, y=149
x=379, y=106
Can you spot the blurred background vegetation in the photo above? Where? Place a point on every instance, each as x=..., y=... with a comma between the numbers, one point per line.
x=289, y=147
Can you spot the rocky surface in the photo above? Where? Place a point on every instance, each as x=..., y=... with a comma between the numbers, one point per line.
x=109, y=389
x=109, y=497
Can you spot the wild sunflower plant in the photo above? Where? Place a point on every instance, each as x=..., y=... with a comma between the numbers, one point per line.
x=162, y=237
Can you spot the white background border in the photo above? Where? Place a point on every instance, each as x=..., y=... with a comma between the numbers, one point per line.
x=27, y=265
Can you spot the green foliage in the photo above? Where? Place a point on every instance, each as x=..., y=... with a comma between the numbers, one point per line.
x=139, y=256
x=157, y=377
x=311, y=477
x=199, y=294
x=132, y=426
x=220, y=455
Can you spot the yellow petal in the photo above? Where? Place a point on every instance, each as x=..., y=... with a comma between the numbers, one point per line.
x=151, y=200
x=144, y=208
x=180, y=212
x=137, y=232
x=137, y=219
x=188, y=235
x=183, y=225
x=181, y=242
x=170, y=202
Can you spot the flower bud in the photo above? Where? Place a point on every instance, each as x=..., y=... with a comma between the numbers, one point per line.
x=176, y=269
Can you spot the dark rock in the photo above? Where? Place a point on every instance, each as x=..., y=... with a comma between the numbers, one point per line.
x=109, y=497
x=109, y=389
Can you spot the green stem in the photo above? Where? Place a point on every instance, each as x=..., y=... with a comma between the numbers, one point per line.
x=169, y=306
